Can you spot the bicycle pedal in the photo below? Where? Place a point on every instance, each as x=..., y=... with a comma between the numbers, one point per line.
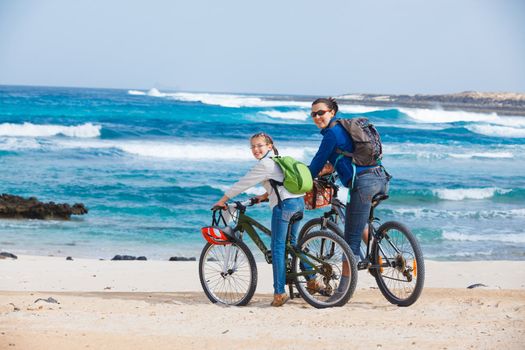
x=362, y=265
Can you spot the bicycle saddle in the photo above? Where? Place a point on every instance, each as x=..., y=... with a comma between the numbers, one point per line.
x=378, y=198
x=296, y=217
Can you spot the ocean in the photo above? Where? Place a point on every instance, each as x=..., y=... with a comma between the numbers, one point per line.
x=149, y=164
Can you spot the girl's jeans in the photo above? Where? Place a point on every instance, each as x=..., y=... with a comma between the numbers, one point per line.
x=280, y=219
x=366, y=186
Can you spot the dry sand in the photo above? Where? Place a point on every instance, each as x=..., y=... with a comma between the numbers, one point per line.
x=160, y=305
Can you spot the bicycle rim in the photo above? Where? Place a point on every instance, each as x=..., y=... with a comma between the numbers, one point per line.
x=228, y=273
x=328, y=253
x=401, y=274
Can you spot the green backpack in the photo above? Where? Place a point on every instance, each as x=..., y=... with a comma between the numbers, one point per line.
x=297, y=176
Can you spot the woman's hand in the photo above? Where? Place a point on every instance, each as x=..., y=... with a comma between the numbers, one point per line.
x=327, y=169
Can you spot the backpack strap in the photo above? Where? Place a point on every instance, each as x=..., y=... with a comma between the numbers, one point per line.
x=274, y=184
x=344, y=153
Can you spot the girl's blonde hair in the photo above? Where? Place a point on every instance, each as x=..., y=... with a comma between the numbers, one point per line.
x=268, y=139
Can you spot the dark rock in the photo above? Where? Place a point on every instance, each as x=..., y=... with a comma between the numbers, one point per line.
x=182, y=258
x=69, y=258
x=16, y=207
x=4, y=255
x=126, y=257
x=476, y=285
x=142, y=258
x=48, y=300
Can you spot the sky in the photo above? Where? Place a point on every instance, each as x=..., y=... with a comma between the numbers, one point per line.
x=274, y=47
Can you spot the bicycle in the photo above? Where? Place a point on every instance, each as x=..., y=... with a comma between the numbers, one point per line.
x=391, y=253
x=228, y=272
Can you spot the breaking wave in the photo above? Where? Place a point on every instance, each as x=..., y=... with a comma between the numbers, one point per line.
x=87, y=130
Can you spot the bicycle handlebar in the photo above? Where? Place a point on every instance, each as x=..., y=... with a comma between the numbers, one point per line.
x=235, y=205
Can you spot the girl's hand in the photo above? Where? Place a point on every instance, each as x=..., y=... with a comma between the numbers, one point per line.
x=261, y=198
x=221, y=203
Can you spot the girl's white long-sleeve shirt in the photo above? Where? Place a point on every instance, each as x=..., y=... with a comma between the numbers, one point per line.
x=261, y=173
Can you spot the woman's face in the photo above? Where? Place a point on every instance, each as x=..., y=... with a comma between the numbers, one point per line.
x=260, y=147
x=321, y=115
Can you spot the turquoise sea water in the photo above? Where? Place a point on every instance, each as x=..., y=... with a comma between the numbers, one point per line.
x=149, y=164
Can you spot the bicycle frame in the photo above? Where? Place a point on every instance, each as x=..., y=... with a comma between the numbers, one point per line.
x=248, y=225
x=338, y=212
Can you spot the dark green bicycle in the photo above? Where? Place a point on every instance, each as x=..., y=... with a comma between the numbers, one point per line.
x=228, y=272
x=391, y=252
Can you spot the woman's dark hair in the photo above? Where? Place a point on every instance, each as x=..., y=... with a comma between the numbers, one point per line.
x=330, y=102
x=267, y=139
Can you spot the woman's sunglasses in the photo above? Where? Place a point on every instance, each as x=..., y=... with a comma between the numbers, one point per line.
x=319, y=113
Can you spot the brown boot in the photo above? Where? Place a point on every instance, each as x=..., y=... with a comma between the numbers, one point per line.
x=279, y=299
x=313, y=286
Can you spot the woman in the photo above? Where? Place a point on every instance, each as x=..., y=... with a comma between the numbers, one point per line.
x=369, y=180
x=262, y=172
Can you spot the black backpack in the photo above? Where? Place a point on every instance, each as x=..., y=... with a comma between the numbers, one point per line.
x=368, y=150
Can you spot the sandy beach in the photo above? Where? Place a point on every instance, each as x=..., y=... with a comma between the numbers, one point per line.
x=160, y=305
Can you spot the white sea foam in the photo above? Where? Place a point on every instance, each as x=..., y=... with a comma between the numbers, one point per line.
x=494, y=237
x=441, y=116
x=468, y=193
x=224, y=100
x=87, y=130
x=136, y=92
x=292, y=115
x=425, y=213
x=482, y=155
x=436, y=151
x=187, y=149
x=237, y=101
x=155, y=93
x=357, y=109
x=489, y=124
x=418, y=126
x=16, y=144
x=497, y=131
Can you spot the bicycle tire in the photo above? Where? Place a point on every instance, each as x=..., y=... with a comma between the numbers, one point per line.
x=330, y=250
x=228, y=278
x=317, y=224
x=401, y=276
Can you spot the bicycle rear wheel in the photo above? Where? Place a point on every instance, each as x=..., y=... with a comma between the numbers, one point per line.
x=318, y=275
x=319, y=224
x=228, y=273
x=399, y=265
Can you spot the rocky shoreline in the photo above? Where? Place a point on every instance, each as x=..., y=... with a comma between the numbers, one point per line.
x=512, y=104
x=16, y=207
x=507, y=104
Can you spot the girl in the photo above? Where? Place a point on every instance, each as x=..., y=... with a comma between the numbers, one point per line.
x=262, y=172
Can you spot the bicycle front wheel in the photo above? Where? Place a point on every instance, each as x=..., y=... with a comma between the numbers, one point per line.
x=228, y=273
x=398, y=264
x=322, y=259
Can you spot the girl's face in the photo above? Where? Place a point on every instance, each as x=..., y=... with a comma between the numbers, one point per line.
x=260, y=147
x=321, y=115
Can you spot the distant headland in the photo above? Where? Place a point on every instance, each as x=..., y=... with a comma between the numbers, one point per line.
x=502, y=103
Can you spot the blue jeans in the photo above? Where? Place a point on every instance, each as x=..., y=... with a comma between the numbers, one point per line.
x=280, y=219
x=366, y=186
